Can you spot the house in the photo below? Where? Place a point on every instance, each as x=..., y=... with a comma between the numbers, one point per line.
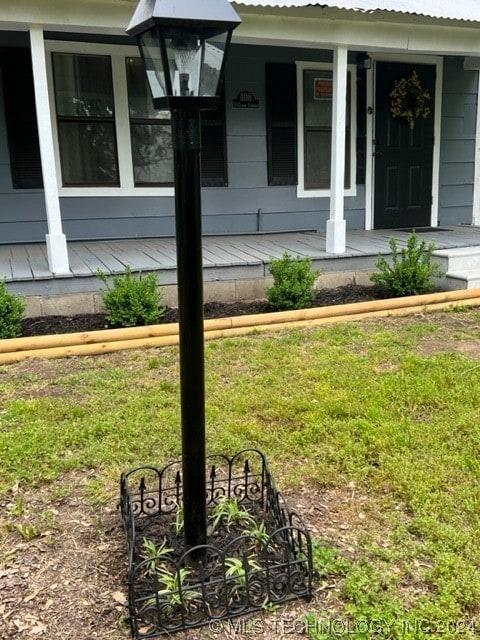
x=306, y=137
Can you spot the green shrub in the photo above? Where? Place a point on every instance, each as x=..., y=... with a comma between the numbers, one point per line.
x=132, y=301
x=293, y=281
x=411, y=271
x=11, y=313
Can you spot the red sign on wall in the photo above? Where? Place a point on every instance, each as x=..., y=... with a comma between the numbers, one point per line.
x=323, y=89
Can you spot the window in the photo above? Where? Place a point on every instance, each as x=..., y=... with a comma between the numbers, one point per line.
x=150, y=131
x=109, y=135
x=299, y=126
x=317, y=129
x=85, y=119
x=151, y=136
x=315, y=83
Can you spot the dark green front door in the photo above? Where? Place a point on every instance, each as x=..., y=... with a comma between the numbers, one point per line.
x=403, y=156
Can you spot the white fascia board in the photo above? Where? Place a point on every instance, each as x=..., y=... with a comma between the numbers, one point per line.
x=285, y=26
x=100, y=16
x=356, y=34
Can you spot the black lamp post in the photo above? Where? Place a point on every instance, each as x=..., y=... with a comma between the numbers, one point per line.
x=184, y=45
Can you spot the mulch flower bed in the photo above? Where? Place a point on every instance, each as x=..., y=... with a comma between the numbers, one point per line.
x=52, y=325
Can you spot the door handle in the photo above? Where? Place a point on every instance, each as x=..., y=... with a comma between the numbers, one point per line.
x=377, y=154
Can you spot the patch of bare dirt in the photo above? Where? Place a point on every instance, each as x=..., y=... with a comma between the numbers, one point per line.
x=69, y=581
x=62, y=566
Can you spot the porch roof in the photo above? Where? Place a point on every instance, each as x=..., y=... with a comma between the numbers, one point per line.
x=467, y=10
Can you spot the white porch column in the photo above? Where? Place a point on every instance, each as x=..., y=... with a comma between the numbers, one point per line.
x=336, y=225
x=56, y=241
x=476, y=179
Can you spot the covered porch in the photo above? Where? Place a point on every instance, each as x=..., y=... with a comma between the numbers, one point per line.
x=235, y=266
x=315, y=146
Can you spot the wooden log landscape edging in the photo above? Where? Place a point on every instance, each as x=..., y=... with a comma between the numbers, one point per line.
x=112, y=340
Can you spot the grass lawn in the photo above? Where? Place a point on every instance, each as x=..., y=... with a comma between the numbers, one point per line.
x=372, y=428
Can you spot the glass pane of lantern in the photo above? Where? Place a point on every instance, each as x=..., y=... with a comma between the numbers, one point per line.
x=195, y=60
x=212, y=65
x=184, y=51
x=153, y=63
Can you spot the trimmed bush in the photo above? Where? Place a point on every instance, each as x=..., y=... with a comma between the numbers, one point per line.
x=411, y=271
x=132, y=301
x=12, y=308
x=293, y=280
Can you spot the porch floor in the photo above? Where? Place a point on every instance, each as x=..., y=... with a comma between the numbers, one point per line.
x=224, y=257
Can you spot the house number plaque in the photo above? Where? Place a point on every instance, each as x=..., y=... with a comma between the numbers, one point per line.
x=246, y=100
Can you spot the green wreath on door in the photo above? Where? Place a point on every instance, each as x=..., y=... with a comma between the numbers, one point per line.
x=410, y=100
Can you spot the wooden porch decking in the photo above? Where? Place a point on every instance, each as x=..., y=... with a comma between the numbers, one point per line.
x=224, y=257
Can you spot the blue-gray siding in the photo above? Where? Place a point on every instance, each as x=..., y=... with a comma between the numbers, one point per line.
x=248, y=204
x=457, y=151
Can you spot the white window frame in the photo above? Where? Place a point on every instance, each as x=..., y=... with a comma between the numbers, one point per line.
x=117, y=55
x=302, y=192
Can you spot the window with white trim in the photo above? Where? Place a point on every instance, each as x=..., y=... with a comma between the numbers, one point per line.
x=109, y=140
x=150, y=131
x=314, y=135
x=85, y=120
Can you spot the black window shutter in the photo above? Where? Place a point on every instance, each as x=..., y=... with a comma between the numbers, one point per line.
x=361, y=124
x=281, y=112
x=214, y=157
x=20, y=115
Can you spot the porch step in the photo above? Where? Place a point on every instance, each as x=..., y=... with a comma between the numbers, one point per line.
x=463, y=279
x=461, y=265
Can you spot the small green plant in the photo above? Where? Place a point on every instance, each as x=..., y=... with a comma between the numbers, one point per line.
x=154, y=554
x=315, y=628
x=174, y=591
x=270, y=607
x=327, y=562
x=50, y=519
x=411, y=271
x=132, y=301
x=12, y=308
x=28, y=531
x=237, y=568
x=293, y=280
x=258, y=533
x=17, y=508
x=458, y=308
x=154, y=363
x=229, y=512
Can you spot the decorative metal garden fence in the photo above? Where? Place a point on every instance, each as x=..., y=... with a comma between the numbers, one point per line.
x=258, y=553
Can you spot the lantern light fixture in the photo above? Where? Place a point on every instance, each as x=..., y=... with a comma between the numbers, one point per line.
x=184, y=45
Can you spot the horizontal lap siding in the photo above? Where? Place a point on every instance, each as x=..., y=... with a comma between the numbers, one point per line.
x=247, y=205
x=457, y=153
x=249, y=199
x=114, y=217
